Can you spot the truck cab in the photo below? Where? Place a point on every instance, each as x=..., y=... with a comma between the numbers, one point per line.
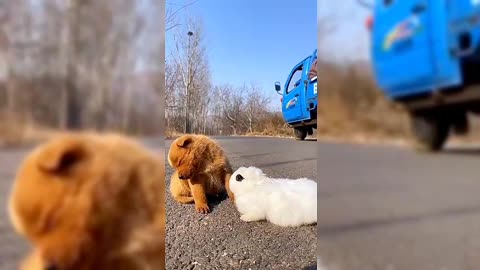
x=299, y=98
x=424, y=54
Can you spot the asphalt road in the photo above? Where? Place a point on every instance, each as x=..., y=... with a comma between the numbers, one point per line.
x=386, y=208
x=220, y=240
x=12, y=247
x=380, y=208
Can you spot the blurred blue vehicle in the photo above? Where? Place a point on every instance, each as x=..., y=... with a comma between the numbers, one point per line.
x=426, y=55
x=299, y=97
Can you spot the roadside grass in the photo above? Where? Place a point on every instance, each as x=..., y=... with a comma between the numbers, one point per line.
x=352, y=108
x=15, y=133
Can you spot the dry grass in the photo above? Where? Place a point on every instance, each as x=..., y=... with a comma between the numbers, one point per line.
x=170, y=134
x=353, y=109
x=274, y=127
x=351, y=106
x=14, y=132
x=268, y=134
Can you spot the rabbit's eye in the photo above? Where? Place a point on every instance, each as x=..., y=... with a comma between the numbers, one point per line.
x=239, y=177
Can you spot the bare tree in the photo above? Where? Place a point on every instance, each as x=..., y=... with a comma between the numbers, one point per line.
x=232, y=104
x=191, y=69
x=194, y=105
x=173, y=10
x=255, y=106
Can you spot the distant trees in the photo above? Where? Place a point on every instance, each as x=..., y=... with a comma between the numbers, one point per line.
x=188, y=80
x=195, y=105
x=81, y=64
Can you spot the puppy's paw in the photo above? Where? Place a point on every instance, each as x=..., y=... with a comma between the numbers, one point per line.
x=202, y=208
x=248, y=218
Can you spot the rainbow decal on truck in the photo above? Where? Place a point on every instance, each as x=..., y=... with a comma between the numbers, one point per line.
x=402, y=31
x=291, y=103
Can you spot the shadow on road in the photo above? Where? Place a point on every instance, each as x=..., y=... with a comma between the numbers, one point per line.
x=311, y=267
x=213, y=201
x=372, y=224
x=474, y=151
x=285, y=162
x=257, y=155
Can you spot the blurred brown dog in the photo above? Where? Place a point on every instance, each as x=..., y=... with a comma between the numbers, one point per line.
x=201, y=168
x=89, y=202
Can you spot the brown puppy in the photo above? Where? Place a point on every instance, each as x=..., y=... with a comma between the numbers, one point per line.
x=90, y=201
x=201, y=168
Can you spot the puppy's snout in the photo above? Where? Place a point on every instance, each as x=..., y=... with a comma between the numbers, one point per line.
x=182, y=176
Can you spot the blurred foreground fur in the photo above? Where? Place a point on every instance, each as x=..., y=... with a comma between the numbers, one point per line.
x=91, y=201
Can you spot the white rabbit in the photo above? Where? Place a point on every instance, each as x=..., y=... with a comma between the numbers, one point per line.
x=284, y=202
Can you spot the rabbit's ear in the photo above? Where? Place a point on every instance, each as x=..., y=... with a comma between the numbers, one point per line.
x=257, y=171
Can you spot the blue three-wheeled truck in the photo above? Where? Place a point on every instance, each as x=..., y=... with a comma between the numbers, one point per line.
x=299, y=97
x=426, y=55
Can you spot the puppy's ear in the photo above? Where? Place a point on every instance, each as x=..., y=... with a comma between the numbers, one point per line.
x=62, y=155
x=184, y=141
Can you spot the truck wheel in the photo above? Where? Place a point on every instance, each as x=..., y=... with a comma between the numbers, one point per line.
x=460, y=123
x=300, y=133
x=430, y=131
x=310, y=131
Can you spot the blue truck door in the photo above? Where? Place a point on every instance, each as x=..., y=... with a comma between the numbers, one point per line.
x=292, y=99
x=402, y=38
x=311, y=95
x=463, y=18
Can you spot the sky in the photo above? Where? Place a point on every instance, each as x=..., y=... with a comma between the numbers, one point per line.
x=252, y=41
x=349, y=40
x=151, y=36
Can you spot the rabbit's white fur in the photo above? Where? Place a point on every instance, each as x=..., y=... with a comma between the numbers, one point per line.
x=284, y=202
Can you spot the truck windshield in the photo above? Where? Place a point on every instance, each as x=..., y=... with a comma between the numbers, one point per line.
x=313, y=70
x=296, y=77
